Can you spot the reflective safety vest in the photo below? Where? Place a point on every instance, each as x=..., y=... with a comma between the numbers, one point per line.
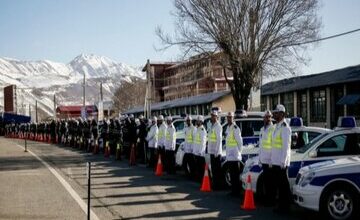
x=197, y=138
x=212, y=138
x=266, y=143
x=276, y=141
x=161, y=133
x=230, y=139
x=189, y=136
x=167, y=136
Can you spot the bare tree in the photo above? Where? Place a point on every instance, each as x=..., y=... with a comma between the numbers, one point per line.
x=256, y=37
x=130, y=94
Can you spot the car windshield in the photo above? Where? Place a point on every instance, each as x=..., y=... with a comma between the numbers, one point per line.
x=307, y=146
x=179, y=125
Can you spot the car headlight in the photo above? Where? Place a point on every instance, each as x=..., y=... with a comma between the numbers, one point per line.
x=306, y=178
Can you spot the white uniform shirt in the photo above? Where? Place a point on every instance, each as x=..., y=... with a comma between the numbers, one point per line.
x=170, y=138
x=233, y=153
x=265, y=155
x=281, y=157
x=188, y=146
x=199, y=148
x=215, y=148
x=162, y=130
x=152, y=136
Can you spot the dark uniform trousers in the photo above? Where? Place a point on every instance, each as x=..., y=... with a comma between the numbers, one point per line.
x=282, y=186
x=200, y=166
x=269, y=192
x=217, y=174
x=235, y=169
x=170, y=161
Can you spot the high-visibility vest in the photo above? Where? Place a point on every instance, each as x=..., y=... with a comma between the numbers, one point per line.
x=276, y=141
x=230, y=139
x=266, y=143
x=189, y=136
x=212, y=138
x=161, y=133
x=197, y=138
x=167, y=136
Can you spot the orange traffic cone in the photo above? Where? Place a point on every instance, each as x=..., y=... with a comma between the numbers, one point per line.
x=132, y=159
x=106, y=150
x=205, y=187
x=159, y=167
x=249, y=203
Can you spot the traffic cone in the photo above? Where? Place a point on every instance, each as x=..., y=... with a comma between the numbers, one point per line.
x=132, y=160
x=106, y=150
x=159, y=167
x=249, y=203
x=118, y=149
x=205, y=187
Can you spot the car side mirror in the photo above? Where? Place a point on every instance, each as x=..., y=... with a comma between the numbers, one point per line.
x=313, y=154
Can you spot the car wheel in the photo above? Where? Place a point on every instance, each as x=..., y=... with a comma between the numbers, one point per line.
x=339, y=203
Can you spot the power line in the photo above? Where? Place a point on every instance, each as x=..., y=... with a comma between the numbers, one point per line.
x=322, y=39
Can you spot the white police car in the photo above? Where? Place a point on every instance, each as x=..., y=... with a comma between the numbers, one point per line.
x=331, y=187
x=339, y=143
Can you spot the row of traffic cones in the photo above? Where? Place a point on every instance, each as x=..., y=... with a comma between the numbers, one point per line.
x=248, y=203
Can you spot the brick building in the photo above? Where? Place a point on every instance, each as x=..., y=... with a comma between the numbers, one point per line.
x=199, y=75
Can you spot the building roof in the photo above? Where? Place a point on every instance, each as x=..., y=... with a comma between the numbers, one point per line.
x=344, y=75
x=189, y=101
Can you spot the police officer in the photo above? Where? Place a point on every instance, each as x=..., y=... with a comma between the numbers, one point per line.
x=161, y=137
x=170, y=144
x=188, y=161
x=152, y=139
x=233, y=143
x=265, y=138
x=142, y=136
x=198, y=149
x=280, y=159
x=215, y=149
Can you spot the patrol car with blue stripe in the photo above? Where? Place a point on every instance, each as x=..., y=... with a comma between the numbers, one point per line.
x=331, y=187
x=339, y=143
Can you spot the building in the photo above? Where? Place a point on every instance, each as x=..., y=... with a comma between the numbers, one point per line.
x=200, y=104
x=319, y=98
x=200, y=74
x=74, y=111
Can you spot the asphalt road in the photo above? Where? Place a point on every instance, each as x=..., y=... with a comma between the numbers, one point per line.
x=29, y=190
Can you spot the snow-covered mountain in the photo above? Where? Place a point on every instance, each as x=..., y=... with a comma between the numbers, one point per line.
x=41, y=80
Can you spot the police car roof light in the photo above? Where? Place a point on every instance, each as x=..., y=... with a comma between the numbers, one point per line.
x=240, y=113
x=347, y=122
x=296, y=122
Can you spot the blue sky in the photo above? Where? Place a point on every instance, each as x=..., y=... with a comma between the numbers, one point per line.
x=123, y=30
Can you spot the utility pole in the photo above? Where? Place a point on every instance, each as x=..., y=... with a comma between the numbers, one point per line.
x=84, y=91
x=101, y=92
x=54, y=106
x=148, y=90
x=36, y=112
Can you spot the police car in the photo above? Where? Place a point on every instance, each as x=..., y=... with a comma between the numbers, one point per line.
x=339, y=143
x=331, y=187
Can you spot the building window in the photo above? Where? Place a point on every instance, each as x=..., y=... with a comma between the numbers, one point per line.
x=287, y=99
x=303, y=107
x=274, y=101
x=262, y=103
x=318, y=106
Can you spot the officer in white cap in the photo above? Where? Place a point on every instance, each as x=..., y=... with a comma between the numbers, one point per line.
x=161, y=136
x=280, y=159
x=265, y=138
x=170, y=144
x=198, y=149
x=152, y=139
x=215, y=149
x=233, y=145
x=188, y=161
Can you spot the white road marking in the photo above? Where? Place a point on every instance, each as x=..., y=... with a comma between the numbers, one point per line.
x=66, y=185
